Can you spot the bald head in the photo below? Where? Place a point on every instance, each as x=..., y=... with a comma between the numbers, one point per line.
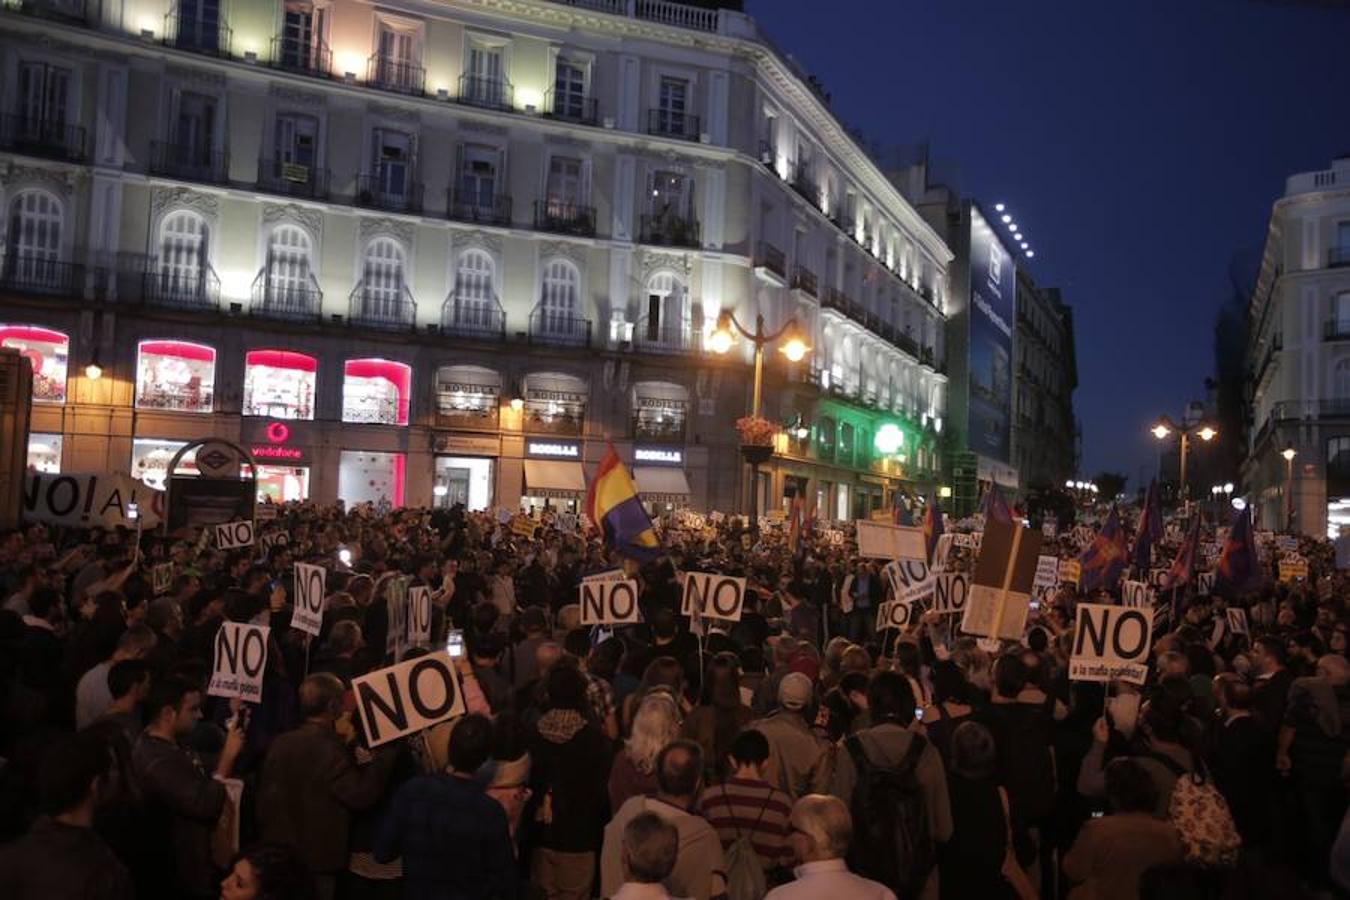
x=320, y=696
x=826, y=823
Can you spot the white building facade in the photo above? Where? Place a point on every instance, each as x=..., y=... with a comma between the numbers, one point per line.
x=438, y=253
x=1298, y=357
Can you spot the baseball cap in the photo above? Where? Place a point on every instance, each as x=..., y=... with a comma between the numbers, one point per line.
x=794, y=691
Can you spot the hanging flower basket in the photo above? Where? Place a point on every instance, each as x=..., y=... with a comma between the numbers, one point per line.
x=756, y=430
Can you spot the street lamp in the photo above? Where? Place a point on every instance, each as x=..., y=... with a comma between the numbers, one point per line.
x=1289, y=453
x=794, y=347
x=1164, y=427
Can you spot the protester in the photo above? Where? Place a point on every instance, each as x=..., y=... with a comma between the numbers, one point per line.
x=799, y=760
x=744, y=806
x=92, y=694
x=650, y=847
x=656, y=724
x=268, y=872
x=821, y=832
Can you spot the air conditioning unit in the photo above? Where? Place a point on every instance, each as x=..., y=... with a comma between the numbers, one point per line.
x=704, y=138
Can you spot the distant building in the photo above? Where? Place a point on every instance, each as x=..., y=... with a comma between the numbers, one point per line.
x=1045, y=430
x=1298, y=358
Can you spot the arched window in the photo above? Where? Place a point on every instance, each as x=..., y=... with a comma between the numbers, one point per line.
x=845, y=448
x=666, y=317
x=1340, y=313
x=559, y=302
x=279, y=384
x=376, y=391
x=183, y=245
x=383, y=295
x=290, y=288
x=825, y=435
x=33, y=251
x=474, y=306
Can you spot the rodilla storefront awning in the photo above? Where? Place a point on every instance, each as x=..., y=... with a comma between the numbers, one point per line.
x=552, y=478
x=660, y=485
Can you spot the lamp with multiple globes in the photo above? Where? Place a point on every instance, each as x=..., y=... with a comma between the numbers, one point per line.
x=1164, y=427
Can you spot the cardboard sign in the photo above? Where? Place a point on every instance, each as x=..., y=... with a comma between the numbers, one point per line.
x=1204, y=583
x=408, y=697
x=523, y=526
x=1157, y=578
x=1293, y=566
x=1000, y=592
x=566, y=522
x=233, y=535
x=307, y=613
x=611, y=575
x=1111, y=642
x=833, y=537
x=1286, y=542
x=396, y=602
x=942, y=552
x=419, y=616
x=1049, y=530
x=610, y=602
x=1136, y=594
x=1047, y=571
x=950, y=592
x=503, y=515
x=274, y=539
x=910, y=579
x=1237, y=620
x=879, y=541
x=896, y=614
x=240, y=661
x=714, y=596
x=161, y=578
x=264, y=512
x=1070, y=570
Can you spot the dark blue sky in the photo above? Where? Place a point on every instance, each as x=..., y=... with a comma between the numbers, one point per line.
x=1139, y=143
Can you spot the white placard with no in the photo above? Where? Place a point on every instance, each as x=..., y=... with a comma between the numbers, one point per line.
x=713, y=596
x=419, y=616
x=1136, y=595
x=233, y=535
x=895, y=614
x=1111, y=642
x=307, y=614
x=950, y=591
x=910, y=579
x=408, y=697
x=240, y=661
x=609, y=602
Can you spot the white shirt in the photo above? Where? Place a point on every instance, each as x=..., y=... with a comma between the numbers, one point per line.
x=92, y=695
x=829, y=878
x=631, y=890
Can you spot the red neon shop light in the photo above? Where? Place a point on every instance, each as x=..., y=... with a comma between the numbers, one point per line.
x=278, y=433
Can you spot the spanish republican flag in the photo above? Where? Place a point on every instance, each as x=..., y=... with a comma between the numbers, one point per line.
x=613, y=505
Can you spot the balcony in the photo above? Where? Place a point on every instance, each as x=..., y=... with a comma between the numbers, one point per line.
x=541, y=421
x=189, y=163
x=453, y=412
x=294, y=299
x=473, y=319
x=398, y=76
x=39, y=137
x=564, y=218
x=1333, y=330
x=652, y=336
x=669, y=230
x=768, y=156
x=657, y=431
x=470, y=206
x=382, y=190
x=41, y=275
x=304, y=57
x=549, y=328
x=389, y=307
x=198, y=33
x=770, y=264
x=664, y=12
x=71, y=11
x=292, y=179
x=804, y=280
x=673, y=124
x=186, y=290
x=487, y=93
x=803, y=182
x=1338, y=257
x=569, y=107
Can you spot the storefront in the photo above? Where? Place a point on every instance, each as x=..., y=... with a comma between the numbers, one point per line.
x=44, y=453
x=175, y=375
x=658, y=472
x=282, y=453
x=369, y=476
x=660, y=412
x=150, y=458
x=49, y=353
x=555, y=403
x=554, y=477
x=466, y=471
x=468, y=397
x=376, y=391
x=279, y=384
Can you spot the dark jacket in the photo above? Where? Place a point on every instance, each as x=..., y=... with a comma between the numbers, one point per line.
x=183, y=804
x=309, y=789
x=453, y=839
x=55, y=860
x=570, y=760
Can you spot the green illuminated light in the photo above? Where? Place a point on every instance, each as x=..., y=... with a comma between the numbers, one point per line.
x=889, y=439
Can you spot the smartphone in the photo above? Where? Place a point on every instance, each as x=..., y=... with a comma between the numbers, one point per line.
x=918, y=713
x=1098, y=814
x=454, y=643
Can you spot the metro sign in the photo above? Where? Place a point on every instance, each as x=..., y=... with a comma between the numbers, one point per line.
x=217, y=460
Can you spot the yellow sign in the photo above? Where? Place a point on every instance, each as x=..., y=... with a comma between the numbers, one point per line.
x=1292, y=567
x=523, y=526
x=1070, y=570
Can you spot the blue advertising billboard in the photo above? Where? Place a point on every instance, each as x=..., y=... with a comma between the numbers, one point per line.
x=993, y=299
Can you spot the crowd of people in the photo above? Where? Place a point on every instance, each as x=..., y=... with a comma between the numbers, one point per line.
x=794, y=753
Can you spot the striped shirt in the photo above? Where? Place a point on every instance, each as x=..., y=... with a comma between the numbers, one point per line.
x=740, y=806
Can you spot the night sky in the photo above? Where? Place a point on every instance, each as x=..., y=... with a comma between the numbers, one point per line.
x=1139, y=144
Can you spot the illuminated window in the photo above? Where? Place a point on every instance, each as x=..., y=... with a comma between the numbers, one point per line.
x=33, y=243
x=845, y=448
x=557, y=312
x=468, y=396
x=383, y=295
x=376, y=391
x=365, y=476
x=44, y=453
x=825, y=435
x=474, y=306
x=150, y=460
x=279, y=384
x=184, y=275
x=48, y=351
x=175, y=375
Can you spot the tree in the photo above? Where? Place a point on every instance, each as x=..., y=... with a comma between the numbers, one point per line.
x=1109, y=484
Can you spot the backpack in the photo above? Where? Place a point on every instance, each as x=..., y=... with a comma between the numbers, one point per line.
x=744, y=872
x=1199, y=813
x=891, y=840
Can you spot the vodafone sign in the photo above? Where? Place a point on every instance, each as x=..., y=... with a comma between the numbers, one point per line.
x=276, y=441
